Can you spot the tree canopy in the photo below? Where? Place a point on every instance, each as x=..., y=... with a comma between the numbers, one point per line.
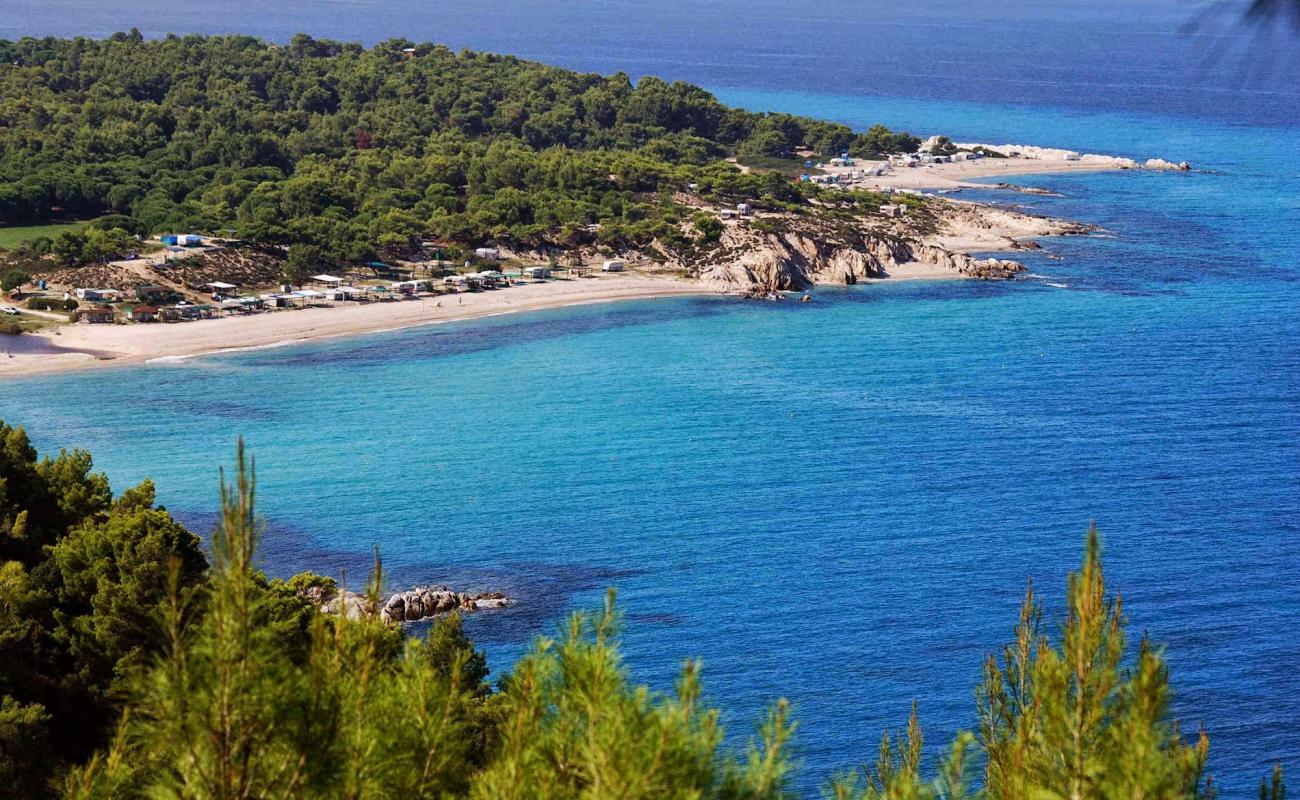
x=361, y=152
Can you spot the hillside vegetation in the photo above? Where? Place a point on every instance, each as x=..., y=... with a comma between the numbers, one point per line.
x=363, y=152
x=132, y=666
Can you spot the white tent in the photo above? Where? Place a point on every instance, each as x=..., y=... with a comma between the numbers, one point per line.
x=218, y=285
x=326, y=279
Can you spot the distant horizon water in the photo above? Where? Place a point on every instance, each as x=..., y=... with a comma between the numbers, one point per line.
x=837, y=502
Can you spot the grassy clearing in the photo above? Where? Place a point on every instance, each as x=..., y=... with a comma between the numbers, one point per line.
x=12, y=237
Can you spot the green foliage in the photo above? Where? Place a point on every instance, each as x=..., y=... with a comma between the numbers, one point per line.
x=301, y=260
x=13, y=279
x=575, y=727
x=19, y=238
x=51, y=304
x=229, y=712
x=1071, y=720
x=707, y=227
x=76, y=247
x=358, y=152
x=81, y=580
x=1059, y=721
x=195, y=682
x=879, y=140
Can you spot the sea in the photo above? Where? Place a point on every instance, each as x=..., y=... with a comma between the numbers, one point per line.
x=839, y=502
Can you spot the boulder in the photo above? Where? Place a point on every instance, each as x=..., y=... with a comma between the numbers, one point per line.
x=1160, y=163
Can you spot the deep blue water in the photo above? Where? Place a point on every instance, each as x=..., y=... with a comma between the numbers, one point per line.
x=839, y=502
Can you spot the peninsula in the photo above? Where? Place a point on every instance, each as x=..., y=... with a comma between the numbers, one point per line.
x=251, y=194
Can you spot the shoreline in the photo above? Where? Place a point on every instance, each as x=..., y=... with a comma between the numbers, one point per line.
x=94, y=347
x=78, y=347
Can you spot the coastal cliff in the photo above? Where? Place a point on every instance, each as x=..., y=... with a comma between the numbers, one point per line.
x=758, y=261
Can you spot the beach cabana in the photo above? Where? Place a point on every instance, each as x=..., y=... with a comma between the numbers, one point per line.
x=278, y=300
x=185, y=311
x=101, y=315
x=347, y=293
x=142, y=314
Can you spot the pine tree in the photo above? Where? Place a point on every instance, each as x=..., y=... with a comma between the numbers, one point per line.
x=1070, y=721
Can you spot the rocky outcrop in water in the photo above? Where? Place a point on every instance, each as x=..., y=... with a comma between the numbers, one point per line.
x=416, y=604
x=1160, y=163
x=432, y=601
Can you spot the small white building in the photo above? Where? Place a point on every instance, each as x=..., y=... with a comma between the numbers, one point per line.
x=614, y=265
x=744, y=209
x=488, y=253
x=110, y=295
x=893, y=210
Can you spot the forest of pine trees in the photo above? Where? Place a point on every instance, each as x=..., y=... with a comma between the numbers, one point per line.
x=362, y=152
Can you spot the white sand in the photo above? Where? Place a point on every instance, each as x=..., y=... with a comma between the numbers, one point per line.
x=959, y=174
x=134, y=344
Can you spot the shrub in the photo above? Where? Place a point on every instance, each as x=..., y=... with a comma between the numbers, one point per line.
x=51, y=304
x=13, y=279
x=708, y=226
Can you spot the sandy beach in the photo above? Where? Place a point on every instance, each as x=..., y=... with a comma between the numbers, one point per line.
x=960, y=174
x=968, y=228
x=75, y=347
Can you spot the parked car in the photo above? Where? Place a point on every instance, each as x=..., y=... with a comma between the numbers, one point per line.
x=10, y=310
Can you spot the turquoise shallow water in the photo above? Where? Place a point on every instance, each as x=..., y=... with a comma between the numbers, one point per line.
x=839, y=502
